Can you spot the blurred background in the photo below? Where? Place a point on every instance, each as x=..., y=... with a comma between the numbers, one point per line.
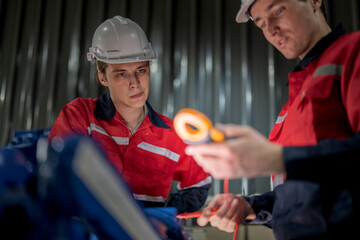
x=206, y=61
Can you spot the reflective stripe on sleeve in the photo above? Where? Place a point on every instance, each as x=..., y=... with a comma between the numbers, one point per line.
x=330, y=69
x=204, y=182
x=118, y=140
x=280, y=119
x=149, y=198
x=159, y=150
x=278, y=180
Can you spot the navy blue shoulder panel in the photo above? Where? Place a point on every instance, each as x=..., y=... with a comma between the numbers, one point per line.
x=320, y=47
x=155, y=118
x=105, y=109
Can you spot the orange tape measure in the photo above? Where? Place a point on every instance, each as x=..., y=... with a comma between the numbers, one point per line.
x=193, y=127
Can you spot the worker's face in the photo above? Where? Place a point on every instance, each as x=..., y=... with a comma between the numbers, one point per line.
x=289, y=25
x=128, y=83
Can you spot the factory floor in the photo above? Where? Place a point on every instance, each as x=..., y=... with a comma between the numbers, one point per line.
x=249, y=232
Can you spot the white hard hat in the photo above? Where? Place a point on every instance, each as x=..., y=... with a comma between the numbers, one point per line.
x=243, y=15
x=120, y=40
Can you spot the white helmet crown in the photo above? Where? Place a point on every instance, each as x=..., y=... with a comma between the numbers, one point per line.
x=120, y=40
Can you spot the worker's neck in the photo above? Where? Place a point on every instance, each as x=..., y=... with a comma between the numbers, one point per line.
x=132, y=116
x=323, y=30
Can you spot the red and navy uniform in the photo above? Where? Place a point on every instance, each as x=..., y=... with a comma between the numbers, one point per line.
x=148, y=160
x=319, y=128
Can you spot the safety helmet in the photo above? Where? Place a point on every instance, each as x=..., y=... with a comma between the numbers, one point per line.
x=120, y=40
x=243, y=15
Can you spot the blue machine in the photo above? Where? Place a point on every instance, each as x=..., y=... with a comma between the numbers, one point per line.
x=67, y=189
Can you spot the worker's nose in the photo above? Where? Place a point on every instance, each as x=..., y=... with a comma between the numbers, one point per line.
x=134, y=80
x=271, y=28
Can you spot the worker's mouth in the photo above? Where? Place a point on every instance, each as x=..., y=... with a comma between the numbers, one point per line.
x=138, y=95
x=282, y=43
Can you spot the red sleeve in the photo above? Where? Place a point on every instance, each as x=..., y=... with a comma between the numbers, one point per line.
x=351, y=88
x=190, y=174
x=71, y=120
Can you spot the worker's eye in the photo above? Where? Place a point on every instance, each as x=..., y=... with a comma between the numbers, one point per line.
x=122, y=74
x=141, y=70
x=279, y=11
x=261, y=24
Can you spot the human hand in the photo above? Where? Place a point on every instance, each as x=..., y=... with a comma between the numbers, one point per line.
x=232, y=210
x=246, y=153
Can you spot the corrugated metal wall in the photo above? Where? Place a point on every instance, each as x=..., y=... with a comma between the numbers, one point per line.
x=206, y=60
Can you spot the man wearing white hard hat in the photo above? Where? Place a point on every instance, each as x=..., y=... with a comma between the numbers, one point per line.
x=140, y=143
x=315, y=140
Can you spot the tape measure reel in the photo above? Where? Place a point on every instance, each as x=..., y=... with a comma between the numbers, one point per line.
x=193, y=127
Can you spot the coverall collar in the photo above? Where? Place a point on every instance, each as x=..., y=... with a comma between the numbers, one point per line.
x=320, y=47
x=105, y=110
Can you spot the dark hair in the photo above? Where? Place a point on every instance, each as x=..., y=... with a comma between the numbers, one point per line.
x=100, y=67
x=323, y=10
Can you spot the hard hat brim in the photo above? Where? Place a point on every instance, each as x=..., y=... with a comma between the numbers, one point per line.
x=150, y=56
x=127, y=60
x=91, y=57
x=243, y=14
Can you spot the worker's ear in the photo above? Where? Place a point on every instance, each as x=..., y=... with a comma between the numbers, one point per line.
x=102, y=79
x=316, y=4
